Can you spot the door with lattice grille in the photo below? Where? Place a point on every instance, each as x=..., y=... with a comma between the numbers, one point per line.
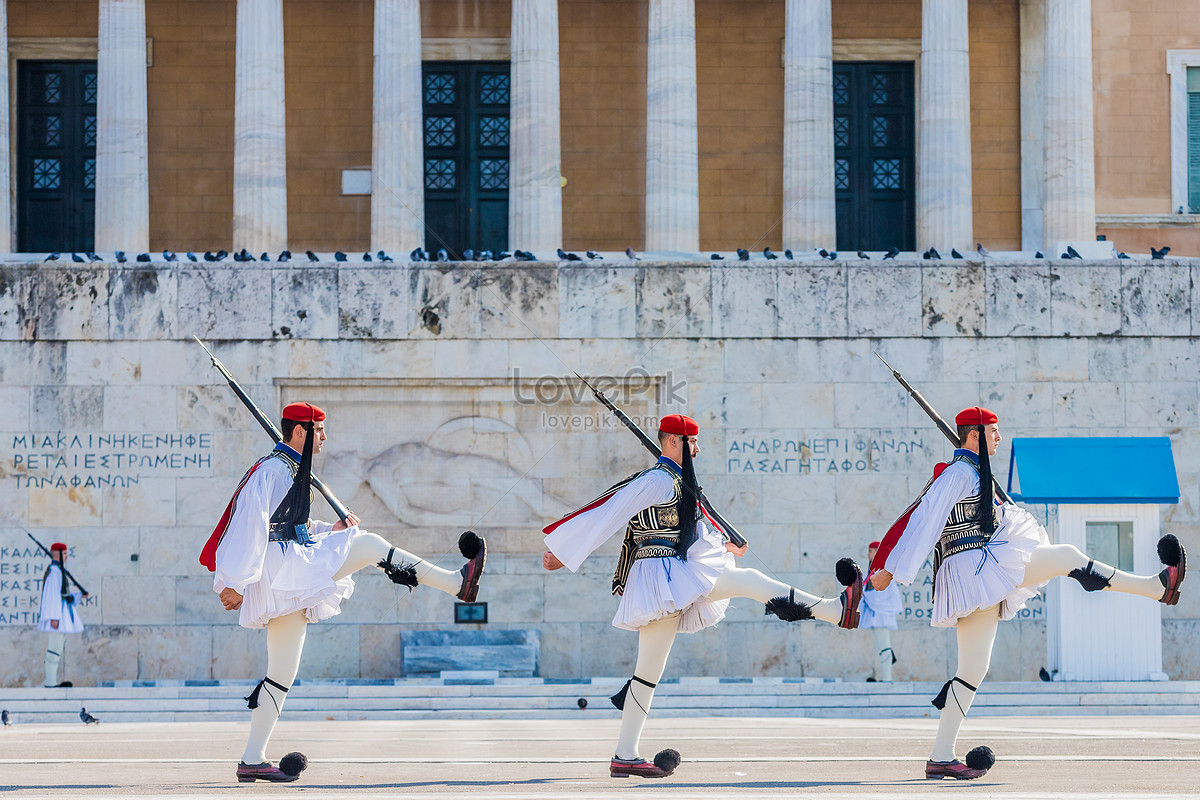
x=56, y=155
x=874, y=155
x=466, y=155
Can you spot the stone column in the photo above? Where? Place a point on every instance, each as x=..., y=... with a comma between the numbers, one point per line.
x=1070, y=191
x=1033, y=173
x=809, y=206
x=397, y=140
x=122, y=171
x=944, y=134
x=5, y=174
x=259, y=141
x=535, y=151
x=672, y=171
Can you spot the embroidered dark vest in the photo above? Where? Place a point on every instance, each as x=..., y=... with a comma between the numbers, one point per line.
x=962, y=531
x=653, y=533
x=280, y=532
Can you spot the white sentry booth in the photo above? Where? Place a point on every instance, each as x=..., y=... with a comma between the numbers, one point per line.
x=1107, y=491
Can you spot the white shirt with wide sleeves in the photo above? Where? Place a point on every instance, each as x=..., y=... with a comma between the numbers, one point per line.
x=974, y=579
x=657, y=587
x=280, y=578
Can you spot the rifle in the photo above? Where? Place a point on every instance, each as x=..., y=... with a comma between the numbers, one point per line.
x=731, y=533
x=272, y=431
x=70, y=577
x=943, y=426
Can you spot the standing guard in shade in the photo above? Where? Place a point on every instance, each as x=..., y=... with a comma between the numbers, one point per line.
x=59, y=616
x=674, y=575
x=989, y=558
x=878, y=614
x=282, y=570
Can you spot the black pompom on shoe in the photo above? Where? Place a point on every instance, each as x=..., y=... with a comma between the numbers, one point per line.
x=667, y=760
x=1170, y=551
x=474, y=549
x=293, y=764
x=469, y=544
x=981, y=757
x=847, y=572
x=1172, y=554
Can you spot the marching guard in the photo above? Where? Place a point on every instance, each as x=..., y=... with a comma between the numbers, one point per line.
x=675, y=575
x=989, y=559
x=282, y=570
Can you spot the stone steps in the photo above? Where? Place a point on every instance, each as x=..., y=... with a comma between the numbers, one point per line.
x=533, y=698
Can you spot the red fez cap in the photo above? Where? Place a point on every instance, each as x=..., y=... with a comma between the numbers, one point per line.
x=303, y=412
x=679, y=425
x=57, y=546
x=873, y=544
x=976, y=415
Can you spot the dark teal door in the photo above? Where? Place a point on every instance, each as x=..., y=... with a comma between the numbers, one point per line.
x=874, y=155
x=466, y=156
x=56, y=155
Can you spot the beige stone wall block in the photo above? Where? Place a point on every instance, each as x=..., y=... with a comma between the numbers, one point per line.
x=239, y=653
x=150, y=502
x=65, y=508
x=101, y=653
x=131, y=600
x=379, y=652
x=173, y=652
x=331, y=651
x=26, y=647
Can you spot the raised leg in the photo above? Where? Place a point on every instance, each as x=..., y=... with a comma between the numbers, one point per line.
x=750, y=583
x=1067, y=560
x=370, y=548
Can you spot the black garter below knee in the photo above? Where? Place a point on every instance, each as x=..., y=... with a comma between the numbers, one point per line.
x=1089, y=579
x=252, y=700
x=618, y=699
x=939, y=702
x=404, y=575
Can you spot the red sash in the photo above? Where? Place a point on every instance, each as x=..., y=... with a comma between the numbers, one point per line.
x=208, y=556
x=898, y=527
x=599, y=501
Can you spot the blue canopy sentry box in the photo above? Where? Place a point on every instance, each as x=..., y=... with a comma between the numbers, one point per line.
x=1103, y=469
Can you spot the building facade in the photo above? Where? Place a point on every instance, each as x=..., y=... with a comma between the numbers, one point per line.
x=665, y=125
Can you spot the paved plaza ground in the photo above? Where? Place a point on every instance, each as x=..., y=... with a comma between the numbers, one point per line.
x=1039, y=757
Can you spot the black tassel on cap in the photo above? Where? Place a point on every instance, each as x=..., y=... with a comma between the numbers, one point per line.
x=987, y=507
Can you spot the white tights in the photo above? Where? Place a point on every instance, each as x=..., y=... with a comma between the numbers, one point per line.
x=655, y=640
x=882, y=639
x=54, y=650
x=977, y=631
x=285, y=635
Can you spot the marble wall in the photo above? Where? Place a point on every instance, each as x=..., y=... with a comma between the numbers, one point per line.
x=448, y=410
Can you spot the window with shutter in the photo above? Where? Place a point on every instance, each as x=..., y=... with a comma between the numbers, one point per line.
x=1193, y=138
